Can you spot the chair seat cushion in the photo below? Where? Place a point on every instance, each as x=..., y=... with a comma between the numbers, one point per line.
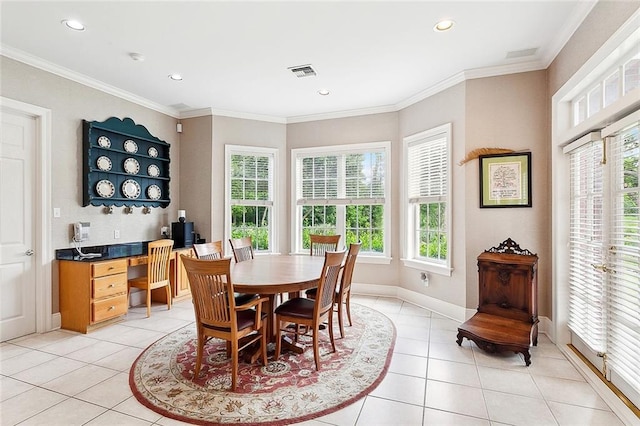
x=242, y=298
x=297, y=307
x=245, y=319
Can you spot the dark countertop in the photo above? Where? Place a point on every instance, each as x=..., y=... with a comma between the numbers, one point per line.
x=106, y=252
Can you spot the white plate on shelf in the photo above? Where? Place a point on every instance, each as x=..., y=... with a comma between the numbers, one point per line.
x=131, y=188
x=131, y=166
x=153, y=152
x=154, y=192
x=104, y=142
x=105, y=188
x=104, y=163
x=130, y=146
x=153, y=170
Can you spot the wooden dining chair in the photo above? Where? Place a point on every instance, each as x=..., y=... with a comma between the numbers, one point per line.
x=218, y=315
x=209, y=251
x=242, y=248
x=311, y=313
x=343, y=292
x=319, y=244
x=158, y=256
x=212, y=251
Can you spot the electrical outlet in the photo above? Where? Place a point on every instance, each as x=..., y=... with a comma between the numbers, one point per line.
x=56, y=212
x=116, y=234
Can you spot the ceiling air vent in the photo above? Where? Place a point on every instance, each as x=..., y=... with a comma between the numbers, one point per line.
x=303, y=70
x=521, y=53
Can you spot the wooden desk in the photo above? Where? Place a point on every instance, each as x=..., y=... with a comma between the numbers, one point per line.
x=272, y=275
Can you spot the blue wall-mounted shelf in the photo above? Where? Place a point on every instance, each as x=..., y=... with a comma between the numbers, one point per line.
x=124, y=165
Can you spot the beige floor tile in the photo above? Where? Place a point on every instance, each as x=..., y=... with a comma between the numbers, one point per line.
x=161, y=324
x=79, y=380
x=411, y=347
x=23, y=362
x=68, y=413
x=457, y=399
x=443, y=418
x=377, y=411
x=409, y=365
x=451, y=352
x=344, y=417
x=415, y=332
x=445, y=324
x=10, y=387
x=453, y=372
x=518, y=410
x=121, y=360
x=9, y=350
x=132, y=407
x=569, y=392
x=570, y=415
x=108, y=393
x=410, y=309
x=401, y=388
x=112, y=418
x=508, y=381
x=551, y=367
x=36, y=341
x=28, y=404
x=96, y=351
x=49, y=370
x=71, y=344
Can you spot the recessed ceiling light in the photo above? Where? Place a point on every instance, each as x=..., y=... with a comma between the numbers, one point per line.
x=175, y=77
x=443, y=25
x=323, y=92
x=73, y=24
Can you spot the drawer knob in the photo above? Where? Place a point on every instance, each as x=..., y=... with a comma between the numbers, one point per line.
x=110, y=267
x=112, y=285
x=111, y=308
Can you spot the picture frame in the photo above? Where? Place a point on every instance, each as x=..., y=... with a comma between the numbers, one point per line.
x=505, y=180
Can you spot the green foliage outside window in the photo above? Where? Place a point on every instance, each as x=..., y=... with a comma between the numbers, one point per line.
x=433, y=231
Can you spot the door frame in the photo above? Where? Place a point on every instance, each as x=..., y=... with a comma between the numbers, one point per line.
x=42, y=207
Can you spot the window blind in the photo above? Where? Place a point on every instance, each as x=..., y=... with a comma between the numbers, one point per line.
x=251, y=178
x=586, y=284
x=346, y=178
x=623, y=291
x=427, y=178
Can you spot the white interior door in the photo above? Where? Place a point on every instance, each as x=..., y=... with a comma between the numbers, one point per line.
x=17, y=219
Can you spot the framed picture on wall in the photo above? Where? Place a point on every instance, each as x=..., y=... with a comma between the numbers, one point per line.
x=505, y=180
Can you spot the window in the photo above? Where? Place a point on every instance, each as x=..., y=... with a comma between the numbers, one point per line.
x=427, y=200
x=617, y=82
x=250, y=197
x=343, y=190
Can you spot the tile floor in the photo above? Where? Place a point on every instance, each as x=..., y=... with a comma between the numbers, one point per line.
x=66, y=378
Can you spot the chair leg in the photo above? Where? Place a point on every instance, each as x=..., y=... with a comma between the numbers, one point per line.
x=263, y=343
x=340, y=322
x=316, y=351
x=349, y=308
x=234, y=365
x=330, y=326
x=168, y=297
x=278, y=340
x=201, y=342
x=148, y=302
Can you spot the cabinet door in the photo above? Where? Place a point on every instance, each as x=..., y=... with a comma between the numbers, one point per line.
x=182, y=281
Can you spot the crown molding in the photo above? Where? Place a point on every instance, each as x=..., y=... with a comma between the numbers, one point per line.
x=342, y=114
x=195, y=113
x=42, y=64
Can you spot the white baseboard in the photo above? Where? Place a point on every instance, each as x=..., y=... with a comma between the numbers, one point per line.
x=56, y=321
x=446, y=309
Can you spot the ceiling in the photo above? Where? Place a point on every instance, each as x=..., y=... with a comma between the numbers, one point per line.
x=234, y=56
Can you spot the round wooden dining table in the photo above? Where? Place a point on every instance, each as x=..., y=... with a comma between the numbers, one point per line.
x=273, y=275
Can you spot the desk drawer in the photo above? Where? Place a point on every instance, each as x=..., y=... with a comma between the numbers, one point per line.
x=101, y=269
x=109, y=285
x=109, y=308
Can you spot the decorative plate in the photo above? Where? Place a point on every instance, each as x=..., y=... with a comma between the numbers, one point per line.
x=104, y=142
x=153, y=152
x=153, y=170
x=130, y=146
x=131, y=188
x=105, y=188
x=131, y=166
x=103, y=163
x=154, y=192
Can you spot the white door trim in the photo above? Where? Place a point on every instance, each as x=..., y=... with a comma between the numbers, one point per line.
x=42, y=209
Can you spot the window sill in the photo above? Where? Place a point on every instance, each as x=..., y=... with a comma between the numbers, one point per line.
x=428, y=267
x=376, y=260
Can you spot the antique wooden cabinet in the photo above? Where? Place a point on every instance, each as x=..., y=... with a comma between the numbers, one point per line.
x=507, y=317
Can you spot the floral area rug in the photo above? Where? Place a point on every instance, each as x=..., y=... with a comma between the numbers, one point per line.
x=285, y=391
